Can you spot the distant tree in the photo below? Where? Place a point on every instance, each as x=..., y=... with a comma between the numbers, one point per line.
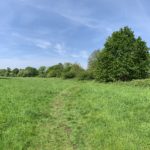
x=92, y=62
x=77, y=69
x=42, y=71
x=21, y=73
x=15, y=72
x=8, y=72
x=71, y=70
x=55, y=71
x=124, y=57
x=67, y=67
x=68, y=75
x=28, y=72
x=3, y=72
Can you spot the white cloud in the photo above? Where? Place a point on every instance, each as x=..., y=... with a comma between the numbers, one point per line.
x=86, y=21
x=82, y=54
x=60, y=48
x=43, y=44
x=78, y=15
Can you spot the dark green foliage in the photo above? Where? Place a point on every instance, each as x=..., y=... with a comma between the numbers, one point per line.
x=124, y=57
x=55, y=71
x=77, y=69
x=21, y=73
x=92, y=62
x=15, y=72
x=3, y=72
x=85, y=75
x=8, y=72
x=65, y=71
x=69, y=75
x=67, y=67
x=103, y=69
x=28, y=72
x=71, y=70
x=42, y=71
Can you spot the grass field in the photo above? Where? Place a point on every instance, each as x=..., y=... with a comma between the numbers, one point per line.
x=55, y=114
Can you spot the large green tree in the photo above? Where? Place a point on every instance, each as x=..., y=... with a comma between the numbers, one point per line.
x=124, y=57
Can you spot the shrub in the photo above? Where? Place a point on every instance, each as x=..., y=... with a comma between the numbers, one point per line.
x=42, y=71
x=92, y=62
x=52, y=73
x=71, y=70
x=68, y=75
x=55, y=71
x=21, y=73
x=3, y=72
x=28, y=72
x=85, y=75
x=15, y=72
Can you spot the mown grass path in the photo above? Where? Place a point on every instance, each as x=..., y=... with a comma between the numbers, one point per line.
x=57, y=130
x=63, y=131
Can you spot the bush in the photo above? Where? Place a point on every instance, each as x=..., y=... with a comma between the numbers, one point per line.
x=92, y=62
x=15, y=72
x=52, y=73
x=3, y=72
x=68, y=75
x=71, y=70
x=85, y=75
x=21, y=73
x=28, y=72
x=42, y=71
x=55, y=71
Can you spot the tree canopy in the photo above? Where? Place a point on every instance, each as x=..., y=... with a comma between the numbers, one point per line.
x=124, y=57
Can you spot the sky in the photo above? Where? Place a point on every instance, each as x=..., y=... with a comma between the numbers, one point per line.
x=46, y=32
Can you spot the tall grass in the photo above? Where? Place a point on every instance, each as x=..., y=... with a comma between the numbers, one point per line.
x=55, y=114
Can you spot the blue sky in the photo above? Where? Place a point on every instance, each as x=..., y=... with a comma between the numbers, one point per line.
x=46, y=32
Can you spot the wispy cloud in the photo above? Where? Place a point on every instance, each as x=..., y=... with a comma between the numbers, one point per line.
x=43, y=44
x=82, y=54
x=60, y=48
x=80, y=16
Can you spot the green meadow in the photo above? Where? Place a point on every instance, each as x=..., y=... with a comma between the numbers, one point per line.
x=55, y=114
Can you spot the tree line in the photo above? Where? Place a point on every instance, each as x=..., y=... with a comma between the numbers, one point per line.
x=65, y=71
x=123, y=57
